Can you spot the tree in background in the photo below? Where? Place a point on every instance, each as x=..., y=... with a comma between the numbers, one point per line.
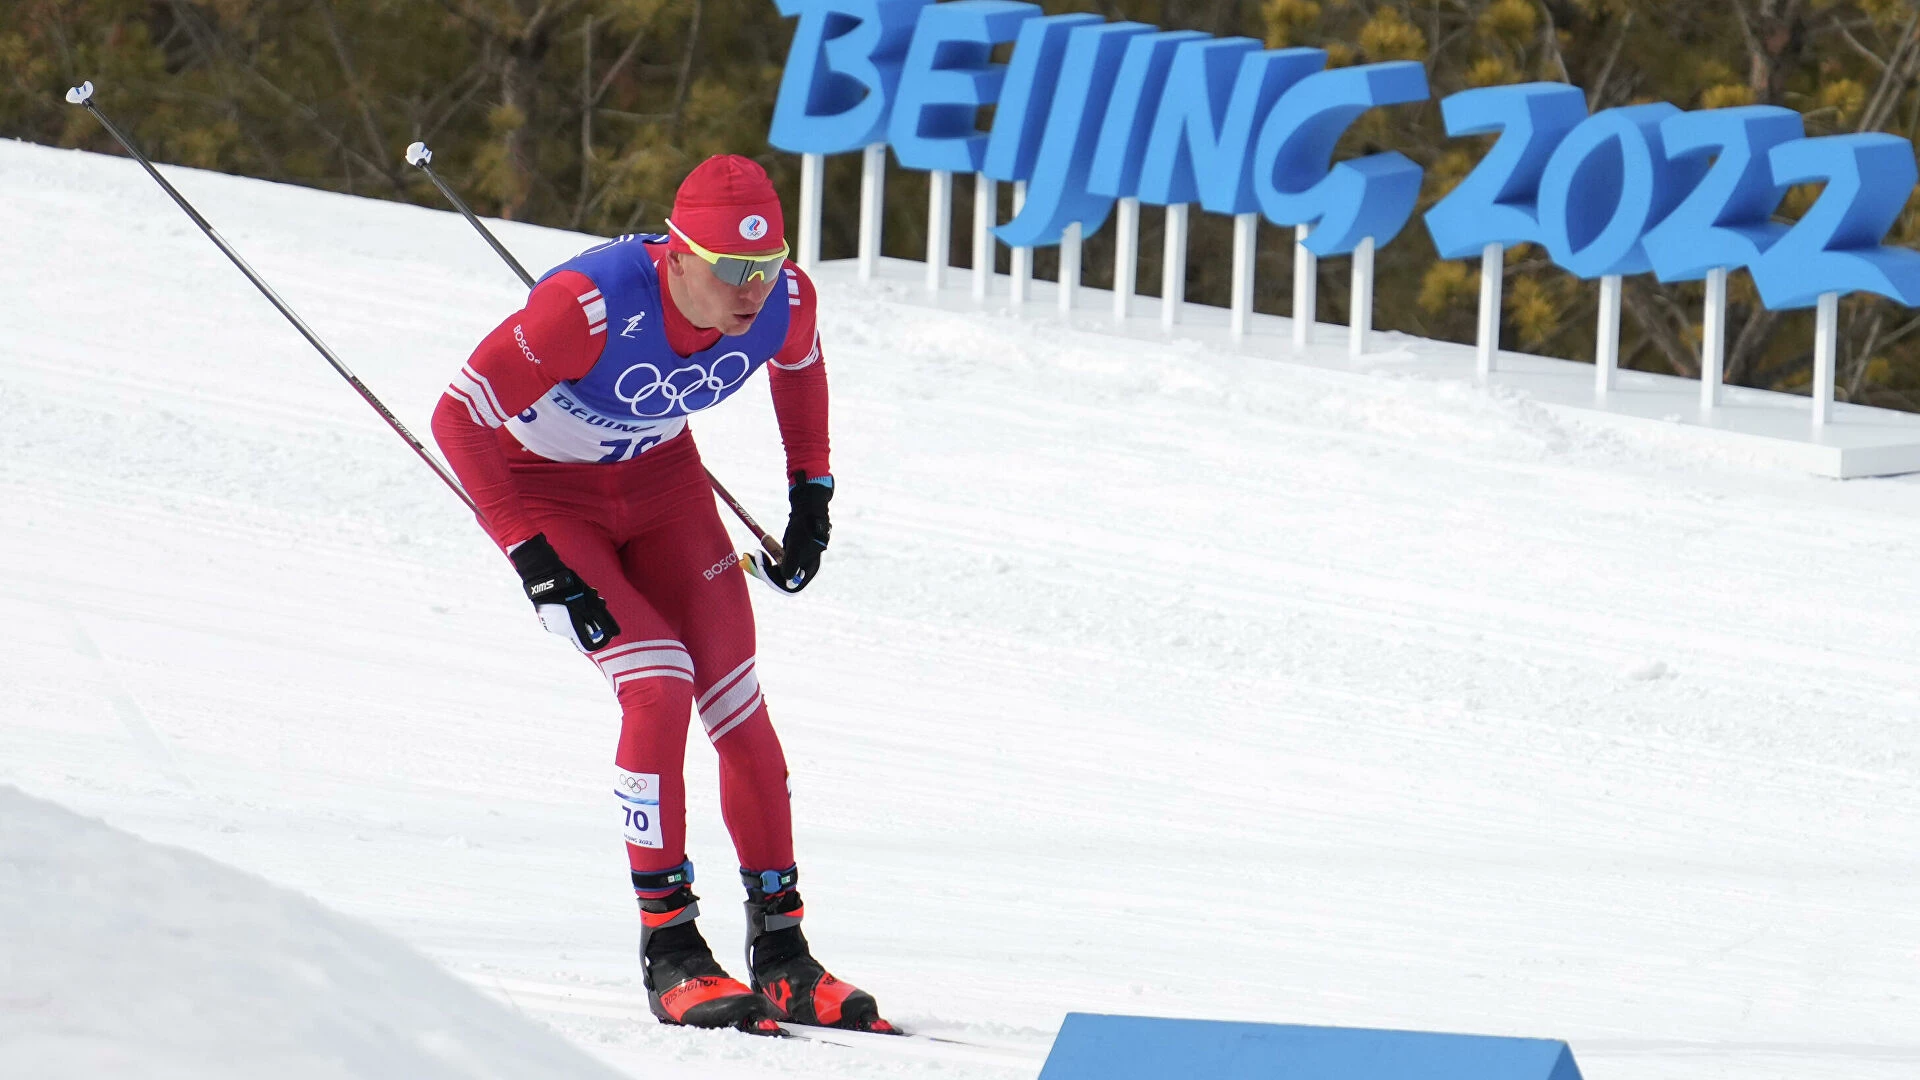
x=576, y=113
x=584, y=114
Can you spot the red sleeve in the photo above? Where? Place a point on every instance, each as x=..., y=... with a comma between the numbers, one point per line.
x=557, y=336
x=798, y=376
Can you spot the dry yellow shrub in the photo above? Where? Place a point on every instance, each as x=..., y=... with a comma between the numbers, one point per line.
x=1389, y=36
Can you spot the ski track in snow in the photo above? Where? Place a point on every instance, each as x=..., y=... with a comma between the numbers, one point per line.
x=1139, y=679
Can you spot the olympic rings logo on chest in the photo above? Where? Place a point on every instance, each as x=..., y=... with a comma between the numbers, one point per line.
x=643, y=389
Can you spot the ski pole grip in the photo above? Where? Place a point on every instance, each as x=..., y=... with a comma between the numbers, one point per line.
x=81, y=94
x=419, y=156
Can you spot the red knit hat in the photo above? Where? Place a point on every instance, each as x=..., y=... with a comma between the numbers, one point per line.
x=727, y=204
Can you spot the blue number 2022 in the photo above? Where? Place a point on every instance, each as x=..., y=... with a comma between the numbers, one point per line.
x=1836, y=246
x=1497, y=202
x=1629, y=189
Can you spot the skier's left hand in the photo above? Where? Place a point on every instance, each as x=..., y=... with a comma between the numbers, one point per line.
x=808, y=530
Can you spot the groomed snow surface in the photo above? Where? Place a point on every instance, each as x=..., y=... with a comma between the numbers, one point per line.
x=1139, y=679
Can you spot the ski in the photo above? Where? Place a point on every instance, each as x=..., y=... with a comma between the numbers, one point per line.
x=816, y=1033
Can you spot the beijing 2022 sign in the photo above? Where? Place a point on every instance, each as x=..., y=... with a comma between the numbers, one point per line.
x=1089, y=111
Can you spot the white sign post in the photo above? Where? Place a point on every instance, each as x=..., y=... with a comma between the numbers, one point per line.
x=939, y=228
x=1360, y=303
x=1069, y=266
x=1305, y=288
x=873, y=197
x=1126, y=256
x=1493, y=269
x=1606, y=355
x=1246, y=233
x=812, y=170
x=1713, y=340
x=1022, y=267
x=1826, y=348
x=1173, y=271
x=985, y=202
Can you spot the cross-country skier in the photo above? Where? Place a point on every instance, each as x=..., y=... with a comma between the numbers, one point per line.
x=569, y=428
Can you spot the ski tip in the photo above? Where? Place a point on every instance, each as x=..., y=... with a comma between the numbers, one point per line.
x=764, y=1026
x=418, y=154
x=81, y=94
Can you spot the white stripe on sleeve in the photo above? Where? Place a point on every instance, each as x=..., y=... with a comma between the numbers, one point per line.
x=460, y=396
x=808, y=362
x=493, y=399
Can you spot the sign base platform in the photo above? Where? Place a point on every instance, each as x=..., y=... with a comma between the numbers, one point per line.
x=1760, y=426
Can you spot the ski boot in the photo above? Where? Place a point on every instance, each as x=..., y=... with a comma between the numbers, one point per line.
x=784, y=970
x=685, y=985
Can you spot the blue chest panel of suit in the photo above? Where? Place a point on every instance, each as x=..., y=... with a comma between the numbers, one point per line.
x=639, y=376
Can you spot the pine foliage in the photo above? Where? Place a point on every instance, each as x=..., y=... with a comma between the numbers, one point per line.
x=584, y=114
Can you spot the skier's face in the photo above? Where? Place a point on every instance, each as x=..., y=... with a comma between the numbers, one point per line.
x=708, y=302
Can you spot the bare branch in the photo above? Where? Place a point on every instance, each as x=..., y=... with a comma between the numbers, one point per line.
x=633, y=46
x=481, y=23
x=1755, y=333
x=686, y=67
x=586, y=122
x=1597, y=94
x=1657, y=328
x=1893, y=79
x=1773, y=35
x=1862, y=358
x=1902, y=332
x=213, y=48
x=1872, y=57
x=1746, y=26
x=354, y=98
x=1550, y=35
x=479, y=83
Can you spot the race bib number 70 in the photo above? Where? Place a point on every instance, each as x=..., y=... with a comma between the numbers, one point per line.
x=639, y=795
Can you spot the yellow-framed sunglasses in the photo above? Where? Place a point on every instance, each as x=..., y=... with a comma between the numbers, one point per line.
x=736, y=270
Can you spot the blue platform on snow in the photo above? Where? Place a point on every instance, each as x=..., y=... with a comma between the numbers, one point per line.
x=1097, y=1047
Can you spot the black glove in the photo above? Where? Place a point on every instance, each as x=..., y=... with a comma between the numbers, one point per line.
x=807, y=531
x=566, y=605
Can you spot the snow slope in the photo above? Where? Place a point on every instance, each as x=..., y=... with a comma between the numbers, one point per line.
x=125, y=956
x=1139, y=679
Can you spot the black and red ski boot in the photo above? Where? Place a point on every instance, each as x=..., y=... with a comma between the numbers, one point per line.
x=685, y=984
x=783, y=968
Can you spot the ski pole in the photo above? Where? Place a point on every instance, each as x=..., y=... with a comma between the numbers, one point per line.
x=420, y=156
x=771, y=545
x=83, y=95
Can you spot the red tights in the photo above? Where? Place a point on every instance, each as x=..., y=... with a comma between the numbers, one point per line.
x=645, y=534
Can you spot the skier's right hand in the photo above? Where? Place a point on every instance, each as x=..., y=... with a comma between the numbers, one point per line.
x=566, y=605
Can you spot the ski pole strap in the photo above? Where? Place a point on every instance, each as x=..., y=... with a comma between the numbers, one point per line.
x=651, y=885
x=769, y=882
